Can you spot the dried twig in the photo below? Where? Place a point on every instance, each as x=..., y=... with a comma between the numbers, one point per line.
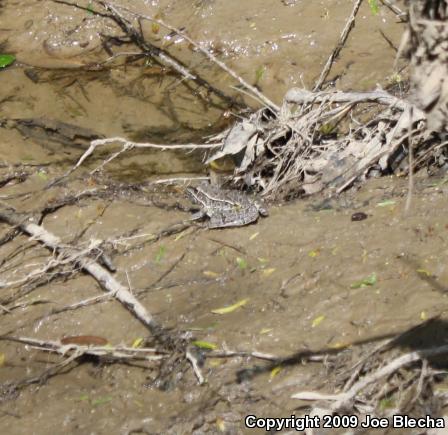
x=111, y=352
x=303, y=96
x=396, y=10
x=194, y=363
x=345, y=399
x=407, y=206
x=127, y=145
x=252, y=89
x=103, y=277
x=342, y=39
x=227, y=353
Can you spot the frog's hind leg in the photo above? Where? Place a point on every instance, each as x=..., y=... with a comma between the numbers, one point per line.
x=197, y=216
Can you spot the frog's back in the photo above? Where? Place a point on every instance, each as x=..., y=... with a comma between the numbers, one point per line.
x=225, y=208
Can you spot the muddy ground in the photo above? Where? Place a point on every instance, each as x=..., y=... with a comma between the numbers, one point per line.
x=298, y=268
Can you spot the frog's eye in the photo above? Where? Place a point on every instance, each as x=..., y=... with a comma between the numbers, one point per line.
x=262, y=209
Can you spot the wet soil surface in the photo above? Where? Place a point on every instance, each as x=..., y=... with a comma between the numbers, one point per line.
x=297, y=270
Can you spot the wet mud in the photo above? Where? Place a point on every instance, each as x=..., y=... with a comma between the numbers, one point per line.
x=298, y=270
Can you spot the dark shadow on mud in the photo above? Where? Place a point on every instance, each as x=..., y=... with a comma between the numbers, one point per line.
x=423, y=275
x=431, y=334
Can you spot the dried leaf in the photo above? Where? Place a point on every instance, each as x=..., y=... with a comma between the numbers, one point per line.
x=266, y=331
x=231, y=308
x=317, y=321
x=181, y=235
x=236, y=140
x=268, y=272
x=210, y=274
x=85, y=340
x=220, y=424
x=275, y=371
x=386, y=203
x=424, y=272
x=215, y=362
x=249, y=156
x=254, y=235
x=2, y=359
x=138, y=342
x=155, y=28
x=339, y=345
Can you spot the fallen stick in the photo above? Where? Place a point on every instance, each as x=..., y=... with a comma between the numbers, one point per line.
x=127, y=146
x=303, y=96
x=116, y=352
x=99, y=273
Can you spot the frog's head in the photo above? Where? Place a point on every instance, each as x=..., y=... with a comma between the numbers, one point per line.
x=261, y=207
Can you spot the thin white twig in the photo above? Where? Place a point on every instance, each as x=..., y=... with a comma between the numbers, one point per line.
x=120, y=352
x=194, y=364
x=342, y=39
x=127, y=145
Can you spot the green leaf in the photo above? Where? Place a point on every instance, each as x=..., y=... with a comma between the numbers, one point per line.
x=374, y=7
x=327, y=128
x=160, y=254
x=90, y=8
x=204, y=345
x=242, y=263
x=101, y=400
x=6, y=59
x=259, y=73
x=42, y=175
x=387, y=402
x=369, y=281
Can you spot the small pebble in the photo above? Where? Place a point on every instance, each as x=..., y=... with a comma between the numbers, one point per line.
x=359, y=216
